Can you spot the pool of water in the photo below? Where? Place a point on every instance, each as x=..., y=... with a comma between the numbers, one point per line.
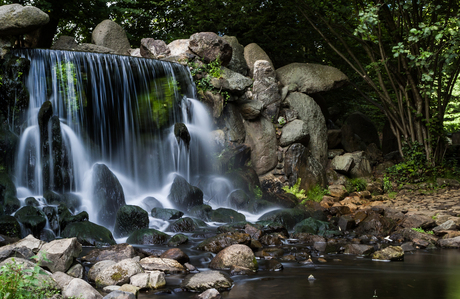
x=422, y=274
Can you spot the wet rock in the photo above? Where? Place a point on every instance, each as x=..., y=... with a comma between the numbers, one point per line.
x=391, y=253
x=238, y=270
x=274, y=265
x=273, y=239
x=234, y=255
x=183, y=195
x=182, y=134
x=201, y=212
x=234, y=122
x=150, y=280
x=129, y=219
x=200, y=282
x=450, y=242
x=114, y=253
x=221, y=241
x=16, y=19
x=210, y=46
x=287, y=217
x=312, y=226
x=186, y=224
x=162, y=264
x=89, y=234
x=151, y=202
x=175, y=254
x=226, y=215
x=156, y=49
x=32, y=218
x=108, y=194
x=76, y=271
x=166, y=214
x=256, y=206
x=119, y=273
x=238, y=199
x=111, y=35
x=58, y=255
x=147, y=236
x=252, y=231
x=358, y=249
x=78, y=288
x=177, y=239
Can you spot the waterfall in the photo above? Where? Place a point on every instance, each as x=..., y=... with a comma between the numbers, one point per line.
x=110, y=109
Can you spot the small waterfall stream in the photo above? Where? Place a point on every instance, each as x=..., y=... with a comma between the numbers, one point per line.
x=116, y=110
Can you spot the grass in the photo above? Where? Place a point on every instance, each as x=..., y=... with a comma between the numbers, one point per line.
x=421, y=230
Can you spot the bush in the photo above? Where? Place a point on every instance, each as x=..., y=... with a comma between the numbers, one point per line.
x=356, y=184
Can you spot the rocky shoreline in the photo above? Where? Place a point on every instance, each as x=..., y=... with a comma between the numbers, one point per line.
x=376, y=227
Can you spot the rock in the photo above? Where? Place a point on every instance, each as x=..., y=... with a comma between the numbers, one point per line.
x=166, y=214
x=76, y=271
x=62, y=279
x=346, y=222
x=9, y=226
x=111, y=35
x=147, y=236
x=89, y=234
x=350, y=141
x=78, y=288
x=450, y=242
x=108, y=195
x=176, y=254
x=362, y=126
x=312, y=226
x=117, y=294
x=182, y=134
x=234, y=122
x=334, y=138
x=238, y=199
x=210, y=293
x=261, y=137
x=186, y=224
x=226, y=215
x=391, y=253
x=265, y=88
x=25, y=248
x=412, y=220
x=251, y=110
x=16, y=19
x=129, y=219
x=162, y=264
x=358, y=249
x=135, y=52
x=221, y=241
x=150, y=280
x=295, y=131
x=342, y=164
x=231, y=81
x=210, y=46
x=311, y=78
x=311, y=114
x=119, y=273
x=445, y=182
x=58, y=255
x=361, y=167
x=376, y=225
x=237, y=63
x=183, y=195
x=201, y=212
x=32, y=218
x=151, y=48
x=374, y=154
x=179, y=47
x=151, y=202
x=252, y=53
x=256, y=206
x=214, y=100
x=98, y=267
x=85, y=47
x=65, y=43
x=273, y=239
x=234, y=255
x=200, y=282
x=300, y=164
x=9, y=141
x=448, y=225
x=287, y=217
x=114, y=253
x=338, y=191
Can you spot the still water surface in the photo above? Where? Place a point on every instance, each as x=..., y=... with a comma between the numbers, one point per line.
x=423, y=274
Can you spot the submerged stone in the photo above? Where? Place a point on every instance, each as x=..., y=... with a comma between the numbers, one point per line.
x=147, y=236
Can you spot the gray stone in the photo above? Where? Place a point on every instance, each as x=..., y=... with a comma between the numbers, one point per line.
x=162, y=264
x=295, y=131
x=117, y=294
x=391, y=253
x=361, y=167
x=265, y=88
x=209, y=294
x=76, y=271
x=179, y=47
x=78, y=288
x=16, y=19
x=342, y=164
x=450, y=242
x=86, y=47
x=311, y=78
x=251, y=110
x=151, y=280
x=62, y=279
x=209, y=46
x=261, y=137
x=448, y=225
x=111, y=35
x=234, y=122
x=252, y=53
x=358, y=249
x=234, y=255
x=231, y=81
x=200, y=282
x=31, y=244
x=98, y=267
x=151, y=48
x=215, y=101
x=119, y=273
x=65, y=43
x=135, y=52
x=311, y=114
x=237, y=63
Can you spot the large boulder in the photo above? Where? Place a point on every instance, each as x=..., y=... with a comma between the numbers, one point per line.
x=179, y=47
x=311, y=114
x=209, y=46
x=89, y=234
x=221, y=241
x=362, y=126
x=114, y=253
x=166, y=214
x=150, y=280
x=147, y=236
x=32, y=218
x=186, y=224
x=231, y=81
x=16, y=19
x=311, y=78
x=235, y=124
x=129, y=219
x=78, y=288
x=226, y=215
x=237, y=63
x=152, y=48
x=119, y=273
x=200, y=282
x=295, y=131
x=168, y=266
x=252, y=53
x=235, y=255
x=287, y=217
x=261, y=137
x=183, y=195
x=111, y=35
x=58, y=255
x=108, y=195
x=265, y=88
x=25, y=248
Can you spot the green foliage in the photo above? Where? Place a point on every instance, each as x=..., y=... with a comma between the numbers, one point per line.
x=421, y=230
x=281, y=120
x=316, y=194
x=257, y=192
x=387, y=186
x=65, y=75
x=299, y=193
x=16, y=282
x=356, y=184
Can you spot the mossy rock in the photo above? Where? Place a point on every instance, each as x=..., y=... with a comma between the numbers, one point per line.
x=314, y=227
x=177, y=239
x=201, y=212
x=9, y=226
x=226, y=216
x=32, y=218
x=147, y=236
x=186, y=224
x=166, y=214
x=89, y=234
x=233, y=227
x=287, y=217
x=129, y=219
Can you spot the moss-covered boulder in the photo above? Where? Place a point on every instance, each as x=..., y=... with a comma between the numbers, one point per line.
x=314, y=227
x=32, y=218
x=177, y=239
x=166, y=214
x=89, y=234
x=129, y=219
x=201, y=212
x=238, y=200
x=147, y=236
x=183, y=195
x=234, y=255
x=287, y=217
x=221, y=241
x=226, y=215
x=186, y=224
x=66, y=217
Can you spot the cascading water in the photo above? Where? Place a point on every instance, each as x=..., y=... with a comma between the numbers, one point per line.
x=110, y=109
